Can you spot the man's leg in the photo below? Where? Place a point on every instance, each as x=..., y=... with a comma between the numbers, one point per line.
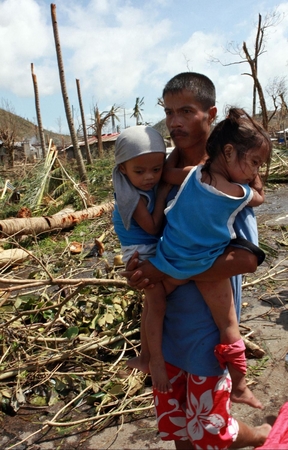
x=251, y=437
x=170, y=409
x=183, y=445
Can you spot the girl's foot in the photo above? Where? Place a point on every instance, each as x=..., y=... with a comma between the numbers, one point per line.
x=245, y=396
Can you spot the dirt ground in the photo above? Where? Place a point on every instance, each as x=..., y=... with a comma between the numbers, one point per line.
x=264, y=317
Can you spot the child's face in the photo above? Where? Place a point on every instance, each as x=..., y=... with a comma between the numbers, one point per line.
x=144, y=171
x=245, y=170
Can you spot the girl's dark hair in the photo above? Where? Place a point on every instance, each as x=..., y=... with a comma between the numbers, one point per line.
x=241, y=131
x=201, y=87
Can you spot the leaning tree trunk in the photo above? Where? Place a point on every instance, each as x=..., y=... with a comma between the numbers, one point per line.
x=78, y=155
x=38, y=112
x=88, y=153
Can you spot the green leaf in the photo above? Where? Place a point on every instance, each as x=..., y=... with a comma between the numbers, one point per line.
x=93, y=398
x=37, y=400
x=117, y=389
x=59, y=385
x=71, y=333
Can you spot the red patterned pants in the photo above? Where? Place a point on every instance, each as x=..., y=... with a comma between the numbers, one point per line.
x=198, y=409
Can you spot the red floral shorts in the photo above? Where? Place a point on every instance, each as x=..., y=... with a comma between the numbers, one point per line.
x=198, y=409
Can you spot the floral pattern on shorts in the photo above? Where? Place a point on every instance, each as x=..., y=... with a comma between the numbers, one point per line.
x=198, y=409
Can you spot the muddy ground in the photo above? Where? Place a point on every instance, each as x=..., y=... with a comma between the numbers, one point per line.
x=264, y=317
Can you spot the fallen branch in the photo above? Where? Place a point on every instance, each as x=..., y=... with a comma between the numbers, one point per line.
x=255, y=350
x=269, y=275
x=26, y=283
x=65, y=355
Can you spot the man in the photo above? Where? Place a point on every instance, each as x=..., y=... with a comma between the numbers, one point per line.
x=197, y=411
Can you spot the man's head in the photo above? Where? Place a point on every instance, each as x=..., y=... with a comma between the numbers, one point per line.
x=189, y=103
x=198, y=84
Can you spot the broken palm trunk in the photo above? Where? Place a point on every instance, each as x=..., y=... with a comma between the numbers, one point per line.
x=35, y=225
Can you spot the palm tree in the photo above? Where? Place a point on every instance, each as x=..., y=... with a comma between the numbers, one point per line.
x=114, y=117
x=101, y=119
x=77, y=151
x=137, y=110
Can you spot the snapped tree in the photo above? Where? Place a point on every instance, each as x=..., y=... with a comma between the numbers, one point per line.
x=251, y=57
x=77, y=152
x=99, y=120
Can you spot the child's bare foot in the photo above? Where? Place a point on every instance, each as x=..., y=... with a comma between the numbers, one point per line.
x=159, y=376
x=139, y=363
x=245, y=396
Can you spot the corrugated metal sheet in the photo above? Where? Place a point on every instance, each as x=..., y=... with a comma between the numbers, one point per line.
x=92, y=140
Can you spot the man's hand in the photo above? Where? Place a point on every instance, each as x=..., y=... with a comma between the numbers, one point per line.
x=141, y=275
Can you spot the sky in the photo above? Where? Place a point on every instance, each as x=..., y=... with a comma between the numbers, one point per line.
x=123, y=49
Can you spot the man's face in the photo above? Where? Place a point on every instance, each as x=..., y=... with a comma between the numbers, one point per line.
x=186, y=121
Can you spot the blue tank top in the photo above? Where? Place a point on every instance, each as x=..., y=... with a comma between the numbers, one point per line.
x=135, y=235
x=199, y=227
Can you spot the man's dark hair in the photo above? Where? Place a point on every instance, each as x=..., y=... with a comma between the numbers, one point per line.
x=201, y=86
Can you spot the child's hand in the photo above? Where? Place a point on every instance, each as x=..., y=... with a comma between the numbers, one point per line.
x=256, y=184
x=258, y=192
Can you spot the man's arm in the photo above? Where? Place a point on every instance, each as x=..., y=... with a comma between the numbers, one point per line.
x=171, y=172
x=233, y=261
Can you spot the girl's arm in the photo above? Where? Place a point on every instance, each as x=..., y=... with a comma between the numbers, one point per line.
x=173, y=174
x=258, y=192
x=152, y=223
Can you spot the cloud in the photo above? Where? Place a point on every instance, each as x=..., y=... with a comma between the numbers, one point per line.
x=24, y=38
x=122, y=49
x=112, y=56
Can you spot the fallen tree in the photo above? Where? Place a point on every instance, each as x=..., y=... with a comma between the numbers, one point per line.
x=60, y=221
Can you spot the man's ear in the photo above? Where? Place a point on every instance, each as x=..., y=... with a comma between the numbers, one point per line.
x=212, y=113
x=228, y=150
x=122, y=168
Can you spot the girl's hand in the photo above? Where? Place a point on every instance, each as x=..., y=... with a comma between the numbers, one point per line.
x=256, y=184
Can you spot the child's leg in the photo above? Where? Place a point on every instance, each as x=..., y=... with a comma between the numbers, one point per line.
x=156, y=301
x=151, y=358
x=141, y=362
x=219, y=297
